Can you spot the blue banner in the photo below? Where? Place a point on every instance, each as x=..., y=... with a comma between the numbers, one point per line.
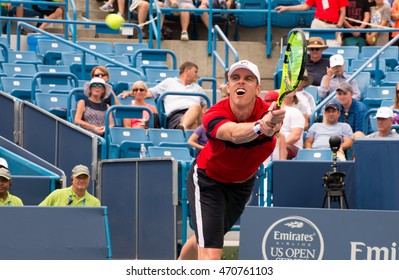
x=318, y=234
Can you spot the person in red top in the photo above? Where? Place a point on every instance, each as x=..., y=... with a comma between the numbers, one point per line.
x=329, y=14
x=240, y=132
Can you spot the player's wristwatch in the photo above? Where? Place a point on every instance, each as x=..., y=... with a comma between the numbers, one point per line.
x=256, y=128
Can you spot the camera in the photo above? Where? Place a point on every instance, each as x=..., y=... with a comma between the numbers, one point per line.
x=334, y=182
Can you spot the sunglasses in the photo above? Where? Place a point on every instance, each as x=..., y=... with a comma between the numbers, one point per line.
x=100, y=75
x=314, y=49
x=96, y=85
x=139, y=89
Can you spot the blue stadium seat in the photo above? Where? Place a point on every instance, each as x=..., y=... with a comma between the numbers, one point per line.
x=53, y=68
x=293, y=19
x=19, y=70
x=121, y=78
x=363, y=81
x=177, y=153
x=102, y=47
x=28, y=57
x=54, y=103
x=119, y=58
x=122, y=142
x=50, y=51
x=161, y=107
x=387, y=103
x=377, y=74
x=376, y=94
x=250, y=20
x=314, y=154
x=125, y=142
x=313, y=91
x=79, y=65
x=128, y=49
x=169, y=138
x=154, y=58
x=391, y=79
x=74, y=96
x=390, y=55
x=46, y=82
x=158, y=75
x=348, y=52
x=20, y=87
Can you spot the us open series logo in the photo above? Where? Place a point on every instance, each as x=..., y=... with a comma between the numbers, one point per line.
x=293, y=238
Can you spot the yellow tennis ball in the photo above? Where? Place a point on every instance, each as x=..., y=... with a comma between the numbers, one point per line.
x=114, y=21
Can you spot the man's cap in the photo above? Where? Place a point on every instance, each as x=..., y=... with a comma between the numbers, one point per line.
x=384, y=112
x=345, y=87
x=332, y=105
x=337, y=60
x=3, y=163
x=271, y=95
x=5, y=173
x=79, y=170
x=316, y=42
x=245, y=64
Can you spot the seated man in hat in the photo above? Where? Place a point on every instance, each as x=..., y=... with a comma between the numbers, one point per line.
x=335, y=75
x=318, y=136
x=7, y=199
x=75, y=195
x=316, y=64
x=352, y=110
x=384, y=124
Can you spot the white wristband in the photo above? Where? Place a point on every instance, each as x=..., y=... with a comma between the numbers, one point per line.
x=256, y=128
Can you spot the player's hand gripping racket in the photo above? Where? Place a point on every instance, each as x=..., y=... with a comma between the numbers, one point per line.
x=294, y=64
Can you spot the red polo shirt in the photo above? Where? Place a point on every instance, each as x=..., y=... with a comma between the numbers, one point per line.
x=331, y=13
x=225, y=161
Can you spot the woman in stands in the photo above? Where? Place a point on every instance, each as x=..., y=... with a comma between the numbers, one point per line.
x=139, y=91
x=90, y=112
x=102, y=72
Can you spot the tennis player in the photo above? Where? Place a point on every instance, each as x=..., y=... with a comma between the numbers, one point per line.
x=241, y=132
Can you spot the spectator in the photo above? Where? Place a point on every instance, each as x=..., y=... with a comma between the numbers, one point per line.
x=396, y=105
x=75, y=195
x=183, y=112
x=90, y=112
x=7, y=199
x=51, y=12
x=318, y=135
x=316, y=64
x=102, y=72
x=395, y=19
x=384, y=124
x=3, y=163
x=380, y=15
x=352, y=110
x=335, y=75
x=140, y=6
x=184, y=16
x=139, y=91
x=293, y=126
x=216, y=4
x=358, y=10
x=280, y=151
x=330, y=14
x=305, y=96
x=198, y=139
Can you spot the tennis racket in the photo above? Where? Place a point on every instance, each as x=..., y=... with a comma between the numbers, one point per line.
x=293, y=65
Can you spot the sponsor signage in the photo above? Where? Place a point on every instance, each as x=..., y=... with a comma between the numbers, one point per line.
x=318, y=234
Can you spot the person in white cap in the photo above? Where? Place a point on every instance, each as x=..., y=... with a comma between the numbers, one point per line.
x=90, y=112
x=384, y=124
x=183, y=112
x=7, y=199
x=75, y=195
x=3, y=163
x=335, y=75
x=241, y=130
